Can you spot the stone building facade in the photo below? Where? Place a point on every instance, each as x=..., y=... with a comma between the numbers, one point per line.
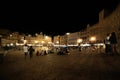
x=4, y=33
x=106, y=24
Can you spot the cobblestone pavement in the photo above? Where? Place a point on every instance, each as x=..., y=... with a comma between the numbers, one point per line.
x=76, y=66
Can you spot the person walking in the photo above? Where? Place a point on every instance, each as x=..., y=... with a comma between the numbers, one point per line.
x=107, y=43
x=25, y=49
x=113, y=41
x=31, y=50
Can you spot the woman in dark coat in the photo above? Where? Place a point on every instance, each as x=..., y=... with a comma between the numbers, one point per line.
x=107, y=43
x=113, y=42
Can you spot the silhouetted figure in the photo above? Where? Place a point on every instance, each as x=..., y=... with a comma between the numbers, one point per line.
x=113, y=41
x=31, y=50
x=37, y=53
x=107, y=43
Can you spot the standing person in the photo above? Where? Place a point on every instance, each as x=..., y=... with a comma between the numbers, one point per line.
x=31, y=50
x=25, y=49
x=107, y=43
x=113, y=41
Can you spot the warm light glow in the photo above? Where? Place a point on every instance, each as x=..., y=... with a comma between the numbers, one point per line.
x=25, y=41
x=85, y=44
x=49, y=42
x=46, y=37
x=19, y=44
x=10, y=35
x=93, y=39
x=11, y=44
x=36, y=41
x=43, y=42
x=79, y=40
x=57, y=42
x=67, y=33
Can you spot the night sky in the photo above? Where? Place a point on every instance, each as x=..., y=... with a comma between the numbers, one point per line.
x=53, y=18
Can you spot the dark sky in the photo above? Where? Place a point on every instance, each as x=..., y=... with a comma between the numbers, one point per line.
x=52, y=18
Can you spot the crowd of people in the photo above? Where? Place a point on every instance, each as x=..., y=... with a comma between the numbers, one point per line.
x=110, y=42
x=30, y=50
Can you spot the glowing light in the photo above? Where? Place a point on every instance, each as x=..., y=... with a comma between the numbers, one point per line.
x=25, y=41
x=43, y=42
x=46, y=37
x=93, y=39
x=79, y=40
x=36, y=41
x=57, y=42
x=67, y=33
x=49, y=42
